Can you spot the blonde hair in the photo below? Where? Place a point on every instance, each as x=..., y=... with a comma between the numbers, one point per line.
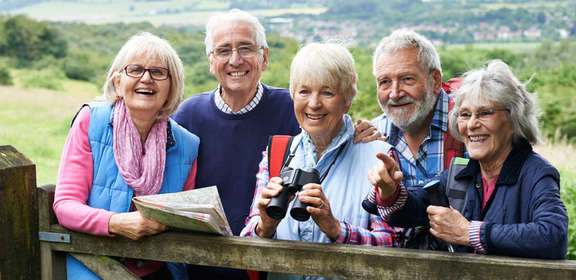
x=325, y=63
x=150, y=45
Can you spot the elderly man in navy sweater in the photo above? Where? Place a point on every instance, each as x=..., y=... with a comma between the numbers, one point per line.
x=234, y=120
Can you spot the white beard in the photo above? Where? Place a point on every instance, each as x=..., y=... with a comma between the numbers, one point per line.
x=420, y=113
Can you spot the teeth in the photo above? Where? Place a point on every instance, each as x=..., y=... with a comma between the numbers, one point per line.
x=477, y=138
x=314, y=117
x=237, y=74
x=145, y=91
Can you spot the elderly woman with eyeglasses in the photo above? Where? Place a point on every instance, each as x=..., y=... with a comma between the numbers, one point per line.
x=510, y=194
x=125, y=147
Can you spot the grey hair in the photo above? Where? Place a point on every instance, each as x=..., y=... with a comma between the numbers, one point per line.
x=235, y=15
x=496, y=83
x=149, y=45
x=406, y=39
x=325, y=63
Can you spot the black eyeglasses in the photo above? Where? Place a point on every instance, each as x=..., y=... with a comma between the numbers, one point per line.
x=482, y=114
x=156, y=73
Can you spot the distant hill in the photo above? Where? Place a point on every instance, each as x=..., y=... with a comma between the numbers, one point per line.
x=359, y=22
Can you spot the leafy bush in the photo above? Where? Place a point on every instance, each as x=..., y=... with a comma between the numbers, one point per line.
x=85, y=65
x=48, y=78
x=5, y=77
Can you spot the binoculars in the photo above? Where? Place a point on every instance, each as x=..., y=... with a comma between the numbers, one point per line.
x=292, y=181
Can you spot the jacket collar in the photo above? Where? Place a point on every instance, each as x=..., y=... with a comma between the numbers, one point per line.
x=511, y=168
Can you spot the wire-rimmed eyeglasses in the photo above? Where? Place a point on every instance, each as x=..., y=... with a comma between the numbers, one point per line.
x=481, y=114
x=244, y=51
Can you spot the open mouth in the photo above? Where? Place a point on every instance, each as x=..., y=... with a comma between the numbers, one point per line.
x=315, y=117
x=477, y=138
x=145, y=91
x=238, y=74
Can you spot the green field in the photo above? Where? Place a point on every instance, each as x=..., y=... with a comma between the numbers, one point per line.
x=178, y=13
x=515, y=46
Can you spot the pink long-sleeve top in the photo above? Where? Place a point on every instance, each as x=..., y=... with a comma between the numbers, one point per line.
x=75, y=182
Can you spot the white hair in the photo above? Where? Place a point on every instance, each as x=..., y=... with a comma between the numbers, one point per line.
x=150, y=45
x=235, y=15
x=408, y=39
x=496, y=83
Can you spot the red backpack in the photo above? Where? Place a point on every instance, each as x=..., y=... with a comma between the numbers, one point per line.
x=452, y=146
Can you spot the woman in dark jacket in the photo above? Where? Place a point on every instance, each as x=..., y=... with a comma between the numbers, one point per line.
x=512, y=194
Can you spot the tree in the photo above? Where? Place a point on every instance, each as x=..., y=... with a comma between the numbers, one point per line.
x=29, y=40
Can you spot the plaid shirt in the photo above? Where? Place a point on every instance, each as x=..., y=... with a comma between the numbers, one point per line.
x=226, y=109
x=430, y=158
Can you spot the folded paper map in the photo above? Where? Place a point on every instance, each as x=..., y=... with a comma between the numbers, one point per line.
x=196, y=210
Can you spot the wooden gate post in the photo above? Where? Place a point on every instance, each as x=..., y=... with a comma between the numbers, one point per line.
x=19, y=245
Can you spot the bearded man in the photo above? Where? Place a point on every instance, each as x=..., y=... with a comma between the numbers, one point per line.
x=415, y=119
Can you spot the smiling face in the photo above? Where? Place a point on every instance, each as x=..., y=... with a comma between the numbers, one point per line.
x=319, y=110
x=237, y=75
x=143, y=95
x=407, y=93
x=488, y=140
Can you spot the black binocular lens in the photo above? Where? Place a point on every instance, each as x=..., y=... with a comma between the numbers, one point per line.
x=293, y=180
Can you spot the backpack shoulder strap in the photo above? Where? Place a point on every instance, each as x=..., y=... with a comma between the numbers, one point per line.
x=278, y=150
x=452, y=147
x=456, y=191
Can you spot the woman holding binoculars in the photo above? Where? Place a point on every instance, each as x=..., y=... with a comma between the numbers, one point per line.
x=323, y=85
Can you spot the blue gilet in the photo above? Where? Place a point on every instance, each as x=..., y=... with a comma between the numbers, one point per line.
x=109, y=190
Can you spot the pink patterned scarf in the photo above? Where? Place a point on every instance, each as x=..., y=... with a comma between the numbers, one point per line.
x=143, y=170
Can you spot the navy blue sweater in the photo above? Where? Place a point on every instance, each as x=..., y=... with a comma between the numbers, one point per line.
x=231, y=145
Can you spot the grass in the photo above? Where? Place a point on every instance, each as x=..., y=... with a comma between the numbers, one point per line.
x=36, y=122
x=561, y=154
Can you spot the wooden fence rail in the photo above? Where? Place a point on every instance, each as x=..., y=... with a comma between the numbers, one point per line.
x=331, y=260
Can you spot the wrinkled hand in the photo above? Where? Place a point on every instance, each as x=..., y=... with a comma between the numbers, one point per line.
x=449, y=225
x=365, y=132
x=267, y=226
x=133, y=225
x=385, y=175
x=319, y=209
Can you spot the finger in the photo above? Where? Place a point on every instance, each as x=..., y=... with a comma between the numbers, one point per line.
x=276, y=180
x=311, y=186
x=436, y=210
x=375, y=135
x=386, y=160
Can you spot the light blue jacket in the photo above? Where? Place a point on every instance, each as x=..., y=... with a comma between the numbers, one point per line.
x=345, y=186
x=109, y=190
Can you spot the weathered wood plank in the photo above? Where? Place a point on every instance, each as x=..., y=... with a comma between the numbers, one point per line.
x=105, y=267
x=20, y=249
x=342, y=261
x=52, y=263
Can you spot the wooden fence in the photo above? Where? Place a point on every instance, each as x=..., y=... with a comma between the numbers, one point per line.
x=22, y=252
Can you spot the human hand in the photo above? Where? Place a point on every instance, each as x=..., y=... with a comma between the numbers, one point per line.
x=133, y=225
x=385, y=175
x=267, y=225
x=449, y=225
x=365, y=132
x=319, y=209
